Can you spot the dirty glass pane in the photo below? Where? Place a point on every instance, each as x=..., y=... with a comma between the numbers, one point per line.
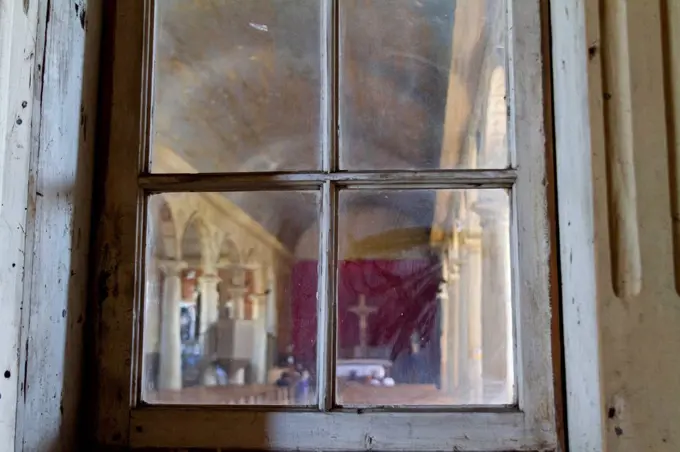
x=227, y=275
x=424, y=298
x=416, y=78
x=237, y=86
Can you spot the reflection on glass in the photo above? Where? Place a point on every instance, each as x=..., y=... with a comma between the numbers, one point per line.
x=413, y=75
x=237, y=85
x=221, y=325
x=424, y=310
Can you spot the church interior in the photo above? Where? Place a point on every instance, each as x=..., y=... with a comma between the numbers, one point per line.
x=128, y=298
x=424, y=299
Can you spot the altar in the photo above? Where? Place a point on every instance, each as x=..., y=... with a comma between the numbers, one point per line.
x=363, y=367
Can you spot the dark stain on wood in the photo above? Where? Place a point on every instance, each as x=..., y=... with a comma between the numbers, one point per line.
x=81, y=15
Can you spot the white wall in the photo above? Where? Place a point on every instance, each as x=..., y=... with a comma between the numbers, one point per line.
x=616, y=72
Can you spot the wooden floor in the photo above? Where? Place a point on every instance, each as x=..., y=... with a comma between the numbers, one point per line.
x=351, y=394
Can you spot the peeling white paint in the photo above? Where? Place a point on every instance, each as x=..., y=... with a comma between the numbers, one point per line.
x=260, y=27
x=17, y=60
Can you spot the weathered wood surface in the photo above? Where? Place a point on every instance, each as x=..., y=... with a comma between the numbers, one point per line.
x=338, y=431
x=118, y=264
x=58, y=225
x=17, y=62
x=616, y=78
x=116, y=216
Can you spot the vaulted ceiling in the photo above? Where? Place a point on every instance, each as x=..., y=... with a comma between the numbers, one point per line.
x=239, y=87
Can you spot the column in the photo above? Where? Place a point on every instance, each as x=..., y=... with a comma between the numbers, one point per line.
x=236, y=292
x=170, y=374
x=271, y=309
x=493, y=212
x=471, y=294
x=152, y=319
x=207, y=286
x=259, y=359
x=450, y=300
x=239, y=302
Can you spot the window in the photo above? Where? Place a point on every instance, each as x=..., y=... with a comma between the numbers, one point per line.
x=325, y=227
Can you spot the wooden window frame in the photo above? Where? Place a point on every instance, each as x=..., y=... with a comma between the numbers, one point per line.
x=122, y=419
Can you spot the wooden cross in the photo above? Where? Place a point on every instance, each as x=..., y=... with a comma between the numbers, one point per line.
x=362, y=310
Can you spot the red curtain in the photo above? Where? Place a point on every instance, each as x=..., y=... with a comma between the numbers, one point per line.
x=403, y=291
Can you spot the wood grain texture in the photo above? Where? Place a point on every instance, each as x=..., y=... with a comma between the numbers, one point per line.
x=551, y=195
x=618, y=110
x=207, y=428
x=114, y=284
x=530, y=253
x=621, y=373
x=306, y=181
x=579, y=142
x=17, y=63
x=58, y=225
x=640, y=370
x=670, y=26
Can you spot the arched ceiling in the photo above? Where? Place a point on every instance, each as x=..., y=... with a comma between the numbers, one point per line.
x=238, y=88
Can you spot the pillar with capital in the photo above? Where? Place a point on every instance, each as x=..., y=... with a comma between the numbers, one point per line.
x=257, y=299
x=235, y=290
x=207, y=286
x=211, y=242
x=452, y=321
x=271, y=313
x=170, y=373
x=493, y=210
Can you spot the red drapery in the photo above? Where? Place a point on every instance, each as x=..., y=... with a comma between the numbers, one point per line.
x=403, y=291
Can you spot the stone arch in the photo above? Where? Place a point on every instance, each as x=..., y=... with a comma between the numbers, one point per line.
x=163, y=236
x=229, y=251
x=196, y=236
x=183, y=208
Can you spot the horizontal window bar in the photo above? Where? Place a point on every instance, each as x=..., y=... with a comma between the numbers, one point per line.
x=264, y=409
x=209, y=182
x=333, y=431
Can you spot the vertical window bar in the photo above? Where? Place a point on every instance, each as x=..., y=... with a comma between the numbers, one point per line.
x=515, y=312
x=148, y=89
x=330, y=74
x=326, y=299
x=509, y=61
x=325, y=351
x=143, y=165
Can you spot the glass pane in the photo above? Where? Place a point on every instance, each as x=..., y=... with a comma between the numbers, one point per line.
x=237, y=86
x=417, y=78
x=222, y=277
x=424, y=298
